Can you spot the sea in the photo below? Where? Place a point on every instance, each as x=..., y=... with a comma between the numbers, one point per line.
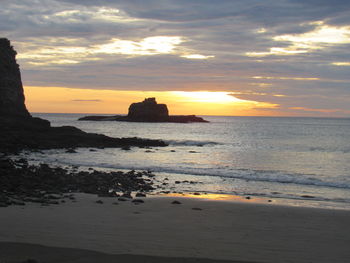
x=281, y=160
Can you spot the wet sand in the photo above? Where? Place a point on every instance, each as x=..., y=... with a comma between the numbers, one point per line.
x=195, y=229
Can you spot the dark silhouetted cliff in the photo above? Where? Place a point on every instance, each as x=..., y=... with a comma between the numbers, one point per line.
x=11, y=89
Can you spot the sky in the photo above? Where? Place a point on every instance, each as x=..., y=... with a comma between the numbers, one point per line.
x=205, y=57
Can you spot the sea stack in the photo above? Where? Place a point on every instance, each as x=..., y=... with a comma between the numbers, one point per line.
x=148, y=111
x=11, y=89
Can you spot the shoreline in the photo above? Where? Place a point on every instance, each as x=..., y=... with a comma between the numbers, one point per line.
x=216, y=230
x=162, y=186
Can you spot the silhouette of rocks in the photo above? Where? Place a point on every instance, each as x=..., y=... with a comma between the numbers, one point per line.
x=21, y=182
x=147, y=111
x=19, y=130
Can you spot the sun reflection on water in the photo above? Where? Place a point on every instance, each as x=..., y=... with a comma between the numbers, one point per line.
x=219, y=197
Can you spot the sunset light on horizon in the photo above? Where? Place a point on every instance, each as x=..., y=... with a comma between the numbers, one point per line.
x=65, y=100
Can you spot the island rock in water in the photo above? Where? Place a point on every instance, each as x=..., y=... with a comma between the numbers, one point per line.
x=147, y=111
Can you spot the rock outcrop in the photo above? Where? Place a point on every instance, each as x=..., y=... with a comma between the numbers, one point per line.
x=11, y=89
x=147, y=111
x=19, y=130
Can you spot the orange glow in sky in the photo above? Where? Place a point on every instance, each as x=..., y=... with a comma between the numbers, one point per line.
x=66, y=100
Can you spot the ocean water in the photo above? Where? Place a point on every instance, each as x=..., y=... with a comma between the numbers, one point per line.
x=293, y=161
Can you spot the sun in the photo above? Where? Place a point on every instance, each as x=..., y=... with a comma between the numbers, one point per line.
x=206, y=96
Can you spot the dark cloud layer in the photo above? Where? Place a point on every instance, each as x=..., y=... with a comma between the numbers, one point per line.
x=290, y=52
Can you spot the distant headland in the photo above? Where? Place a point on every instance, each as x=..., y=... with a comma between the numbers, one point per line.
x=147, y=111
x=19, y=130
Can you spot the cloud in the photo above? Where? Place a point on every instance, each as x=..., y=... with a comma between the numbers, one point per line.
x=196, y=56
x=346, y=64
x=292, y=53
x=319, y=38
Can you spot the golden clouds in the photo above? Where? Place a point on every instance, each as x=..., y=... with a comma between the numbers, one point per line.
x=103, y=14
x=73, y=50
x=321, y=37
x=196, y=56
x=345, y=64
x=147, y=46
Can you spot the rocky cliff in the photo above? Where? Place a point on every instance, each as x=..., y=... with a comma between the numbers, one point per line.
x=11, y=89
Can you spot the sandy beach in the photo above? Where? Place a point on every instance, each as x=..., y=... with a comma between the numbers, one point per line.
x=86, y=231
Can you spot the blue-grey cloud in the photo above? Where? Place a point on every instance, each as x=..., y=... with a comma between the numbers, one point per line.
x=65, y=43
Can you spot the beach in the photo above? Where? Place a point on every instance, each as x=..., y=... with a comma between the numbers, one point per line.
x=86, y=231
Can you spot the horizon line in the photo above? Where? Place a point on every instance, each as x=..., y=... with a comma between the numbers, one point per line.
x=249, y=116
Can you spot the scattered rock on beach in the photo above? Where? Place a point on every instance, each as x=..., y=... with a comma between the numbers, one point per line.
x=176, y=202
x=21, y=183
x=127, y=195
x=137, y=201
x=30, y=261
x=197, y=209
x=126, y=148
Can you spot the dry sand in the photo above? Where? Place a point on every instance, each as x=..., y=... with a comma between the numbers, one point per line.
x=217, y=230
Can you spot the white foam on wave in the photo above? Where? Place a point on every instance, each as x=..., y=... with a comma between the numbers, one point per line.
x=190, y=143
x=243, y=174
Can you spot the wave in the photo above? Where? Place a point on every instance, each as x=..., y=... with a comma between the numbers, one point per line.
x=225, y=172
x=190, y=143
x=241, y=174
